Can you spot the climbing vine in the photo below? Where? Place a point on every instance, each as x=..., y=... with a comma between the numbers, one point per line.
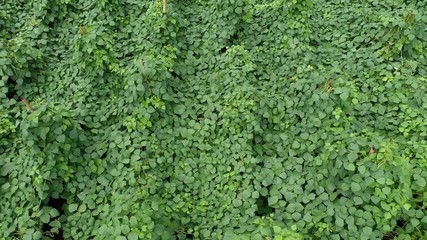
x=236, y=119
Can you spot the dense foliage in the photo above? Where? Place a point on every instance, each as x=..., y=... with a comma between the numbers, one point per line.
x=235, y=119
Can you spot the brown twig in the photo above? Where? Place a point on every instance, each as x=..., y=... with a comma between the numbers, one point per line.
x=31, y=109
x=164, y=6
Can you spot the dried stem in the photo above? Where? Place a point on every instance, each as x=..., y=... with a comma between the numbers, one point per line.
x=31, y=109
x=164, y=6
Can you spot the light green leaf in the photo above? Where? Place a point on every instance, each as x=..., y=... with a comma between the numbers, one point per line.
x=352, y=157
x=273, y=200
x=344, y=96
x=54, y=213
x=45, y=218
x=355, y=187
x=350, y=167
x=72, y=207
x=339, y=222
x=60, y=138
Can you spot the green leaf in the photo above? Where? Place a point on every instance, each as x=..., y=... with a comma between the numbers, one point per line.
x=304, y=136
x=296, y=216
x=375, y=199
x=103, y=230
x=37, y=235
x=344, y=96
x=45, y=218
x=355, y=187
x=179, y=109
x=361, y=169
x=82, y=208
x=237, y=202
x=415, y=222
x=132, y=236
x=421, y=182
x=381, y=180
x=386, y=190
x=60, y=138
x=155, y=205
x=189, y=179
x=72, y=207
x=295, y=145
x=350, y=167
x=367, y=231
x=330, y=211
x=307, y=217
x=55, y=223
x=103, y=181
x=339, y=222
x=54, y=213
x=358, y=200
x=273, y=200
x=7, y=168
x=352, y=157
x=255, y=194
x=140, y=87
x=246, y=194
x=133, y=221
x=265, y=231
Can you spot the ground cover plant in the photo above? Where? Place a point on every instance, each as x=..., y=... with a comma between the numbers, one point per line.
x=234, y=119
